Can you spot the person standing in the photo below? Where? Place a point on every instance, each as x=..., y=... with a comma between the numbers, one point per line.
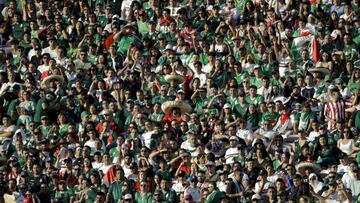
x=334, y=109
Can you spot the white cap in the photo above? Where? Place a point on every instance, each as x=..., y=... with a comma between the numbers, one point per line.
x=227, y=106
x=127, y=196
x=256, y=197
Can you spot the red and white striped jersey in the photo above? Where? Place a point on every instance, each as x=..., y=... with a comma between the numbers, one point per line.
x=335, y=111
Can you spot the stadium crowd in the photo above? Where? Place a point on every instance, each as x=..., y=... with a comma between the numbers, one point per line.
x=206, y=101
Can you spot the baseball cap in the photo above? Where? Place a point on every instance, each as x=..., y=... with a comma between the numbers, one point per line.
x=188, y=197
x=192, y=178
x=180, y=91
x=256, y=197
x=127, y=197
x=227, y=106
x=234, y=138
x=210, y=163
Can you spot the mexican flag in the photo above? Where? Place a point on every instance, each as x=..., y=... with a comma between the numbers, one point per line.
x=109, y=176
x=306, y=42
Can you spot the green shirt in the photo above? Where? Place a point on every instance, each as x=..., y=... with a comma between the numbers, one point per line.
x=258, y=99
x=156, y=117
x=214, y=197
x=256, y=81
x=200, y=104
x=241, y=77
x=91, y=195
x=143, y=27
x=64, y=196
x=125, y=41
x=115, y=190
x=169, y=196
x=267, y=116
x=159, y=99
x=146, y=198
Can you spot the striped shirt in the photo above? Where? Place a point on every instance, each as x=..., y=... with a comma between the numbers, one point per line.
x=334, y=111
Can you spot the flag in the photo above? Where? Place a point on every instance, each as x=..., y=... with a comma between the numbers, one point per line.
x=109, y=176
x=315, y=50
x=298, y=44
x=306, y=42
x=108, y=41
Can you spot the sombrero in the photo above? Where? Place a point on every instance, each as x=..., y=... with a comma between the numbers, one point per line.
x=180, y=79
x=281, y=99
x=169, y=105
x=46, y=82
x=319, y=68
x=220, y=136
x=301, y=167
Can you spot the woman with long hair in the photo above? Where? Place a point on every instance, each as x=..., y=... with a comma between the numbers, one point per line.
x=347, y=144
x=324, y=154
x=25, y=109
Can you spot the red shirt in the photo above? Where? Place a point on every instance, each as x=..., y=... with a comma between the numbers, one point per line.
x=113, y=126
x=148, y=183
x=166, y=21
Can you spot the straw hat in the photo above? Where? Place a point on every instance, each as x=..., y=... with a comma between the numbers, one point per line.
x=178, y=78
x=46, y=82
x=319, y=68
x=301, y=167
x=169, y=105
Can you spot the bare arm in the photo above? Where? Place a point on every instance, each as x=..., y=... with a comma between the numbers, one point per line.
x=174, y=160
x=82, y=41
x=194, y=95
x=6, y=134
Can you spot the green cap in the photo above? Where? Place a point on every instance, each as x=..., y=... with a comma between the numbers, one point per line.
x=339, y=80
x=161, y=36
x=84, y=114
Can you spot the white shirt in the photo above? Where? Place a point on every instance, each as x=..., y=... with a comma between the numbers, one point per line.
x=244, y=134
x=96, y=165
x=11, y=128
x=91, y=144
x=207, y=68
x=343, y=169
x=79, y=64
x=31, y=53
x=50, y=51
x=146, y=138
x=186, y=145
x=265, y=92
x=126, y=6
x=202, y=77
x=104, y=168
x=178, y=187
x=194, y=192
x=43, y=68
x=345, y=93
x=230, y=154
x=312, y=136
x=347, y=177
x=266, y=134
x=61, y=62
x=222, y=186
x=8, y=87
